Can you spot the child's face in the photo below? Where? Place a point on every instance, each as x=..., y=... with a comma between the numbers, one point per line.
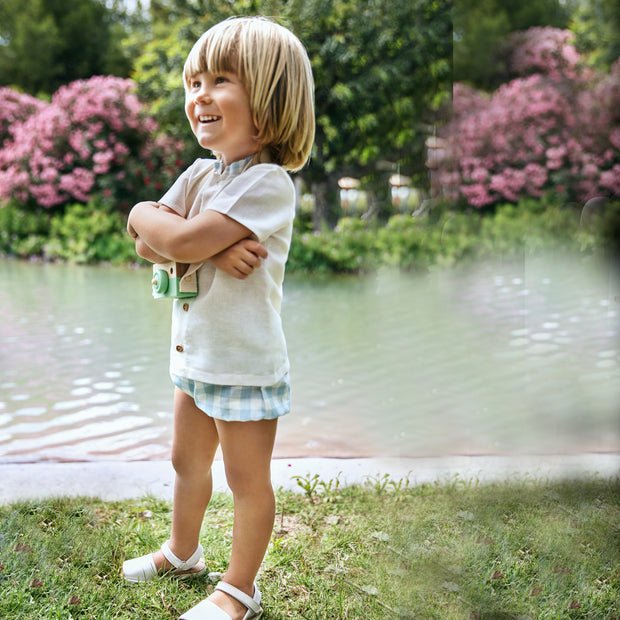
x=218, y=109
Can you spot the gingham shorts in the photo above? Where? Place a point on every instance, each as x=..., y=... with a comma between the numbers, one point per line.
x=239, y=403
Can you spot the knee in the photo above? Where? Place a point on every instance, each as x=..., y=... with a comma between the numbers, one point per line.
x=189, y=465
x=244, y=481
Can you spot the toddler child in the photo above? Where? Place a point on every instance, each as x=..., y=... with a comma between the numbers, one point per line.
x=249, y=99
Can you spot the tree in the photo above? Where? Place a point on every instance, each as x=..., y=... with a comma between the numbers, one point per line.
x=47, y=43
x=596, y=24
x=480, y=29
x=382, y=70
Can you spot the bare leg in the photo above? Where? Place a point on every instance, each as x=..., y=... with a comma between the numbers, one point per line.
x=247, y=449
x=194, y=444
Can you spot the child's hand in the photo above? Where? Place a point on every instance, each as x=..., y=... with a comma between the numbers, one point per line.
x=132, y=231
x=142, y=249
x=240, y=259
x=147, y=253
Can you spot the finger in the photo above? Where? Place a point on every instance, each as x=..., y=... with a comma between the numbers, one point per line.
x=252, y=261
x=257, y=265
x=244, y=268
x=239, y=274
x=256, y=248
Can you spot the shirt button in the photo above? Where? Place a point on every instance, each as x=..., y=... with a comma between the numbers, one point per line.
x=186, y=307
x=179, y=348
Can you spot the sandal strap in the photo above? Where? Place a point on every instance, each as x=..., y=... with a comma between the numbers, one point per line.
x=253, y=604
x=177, y=562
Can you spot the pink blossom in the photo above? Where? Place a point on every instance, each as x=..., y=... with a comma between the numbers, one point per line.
x=590, y=171
x=120, y=149
x=46, y=195
x=15, y=108
x=556, y=152
x=610, y=179
x=80, y=143
x=477, y=195
x=544, y=50
x=556, y=125
x=78, y=183
x=479, y=175
x=49, y=174
x=536, y=177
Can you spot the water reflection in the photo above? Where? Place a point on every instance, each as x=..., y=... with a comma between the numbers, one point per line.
x=497, y=358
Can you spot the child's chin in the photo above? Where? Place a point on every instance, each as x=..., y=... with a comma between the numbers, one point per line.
x=204, y=142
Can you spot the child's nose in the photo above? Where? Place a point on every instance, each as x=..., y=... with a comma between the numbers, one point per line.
x=202, y=96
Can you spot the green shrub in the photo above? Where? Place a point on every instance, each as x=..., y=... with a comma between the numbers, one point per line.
x=399, y=242
x=88, y=234
x=91, y=233
x=455, y=237
x=525, y=228
x=445, y=237
x=350, y=247
x=22, y=232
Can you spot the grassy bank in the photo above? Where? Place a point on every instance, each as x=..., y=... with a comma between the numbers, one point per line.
x=524, y=549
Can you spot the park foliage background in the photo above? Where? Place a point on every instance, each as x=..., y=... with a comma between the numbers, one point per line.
x=523, y=98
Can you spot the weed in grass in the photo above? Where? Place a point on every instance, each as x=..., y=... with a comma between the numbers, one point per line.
x=525, y=549
x=308, y=484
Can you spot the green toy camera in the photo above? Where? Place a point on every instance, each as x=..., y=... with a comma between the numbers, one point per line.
x=168, y=284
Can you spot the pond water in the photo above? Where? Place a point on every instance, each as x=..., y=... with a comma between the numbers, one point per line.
x=499, y=358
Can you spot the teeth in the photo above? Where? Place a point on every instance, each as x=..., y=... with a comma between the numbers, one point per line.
x=204, y=118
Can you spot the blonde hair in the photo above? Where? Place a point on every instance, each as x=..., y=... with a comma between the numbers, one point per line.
x=275, y=70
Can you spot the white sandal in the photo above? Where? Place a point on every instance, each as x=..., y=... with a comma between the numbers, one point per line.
x=207, y=610
x=143, y=568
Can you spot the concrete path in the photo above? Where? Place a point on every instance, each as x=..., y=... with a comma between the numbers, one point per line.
x=111, y=480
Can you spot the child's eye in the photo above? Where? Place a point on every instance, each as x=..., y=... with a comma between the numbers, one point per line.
x=220, y=79
x=196, y=83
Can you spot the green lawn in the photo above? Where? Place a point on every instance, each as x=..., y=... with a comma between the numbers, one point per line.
x=525, y=549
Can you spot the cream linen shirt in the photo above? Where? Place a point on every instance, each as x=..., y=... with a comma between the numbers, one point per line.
x=231, y=333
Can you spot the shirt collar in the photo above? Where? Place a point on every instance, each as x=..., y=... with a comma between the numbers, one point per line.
x=237, y=167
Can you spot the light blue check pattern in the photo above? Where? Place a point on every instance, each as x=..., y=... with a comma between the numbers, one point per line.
x=239, y=403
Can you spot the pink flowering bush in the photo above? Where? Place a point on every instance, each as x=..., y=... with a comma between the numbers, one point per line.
x=93, y=140
x=597, y=165
x=544, y=50
x=554, y=129
x=15, y=108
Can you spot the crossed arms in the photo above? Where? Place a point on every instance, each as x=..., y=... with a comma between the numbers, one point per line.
x=162, y=235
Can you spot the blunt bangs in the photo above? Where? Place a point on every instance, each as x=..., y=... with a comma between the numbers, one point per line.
x=275, y=70
x=216, y=51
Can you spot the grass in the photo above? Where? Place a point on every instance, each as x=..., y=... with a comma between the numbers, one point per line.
x=521, y=549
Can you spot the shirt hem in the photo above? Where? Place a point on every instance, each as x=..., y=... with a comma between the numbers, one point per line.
x=230, y=378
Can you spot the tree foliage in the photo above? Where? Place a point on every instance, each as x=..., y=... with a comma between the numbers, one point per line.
x=47, y=43
x=382, y=68
x=382, y=71
x=596, y=24
x=480, y=29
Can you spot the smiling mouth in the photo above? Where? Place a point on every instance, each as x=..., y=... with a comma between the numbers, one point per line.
x=208, y=118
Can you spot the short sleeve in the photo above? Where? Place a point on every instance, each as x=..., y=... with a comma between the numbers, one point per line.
x=262, y=199
x=184, y=190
